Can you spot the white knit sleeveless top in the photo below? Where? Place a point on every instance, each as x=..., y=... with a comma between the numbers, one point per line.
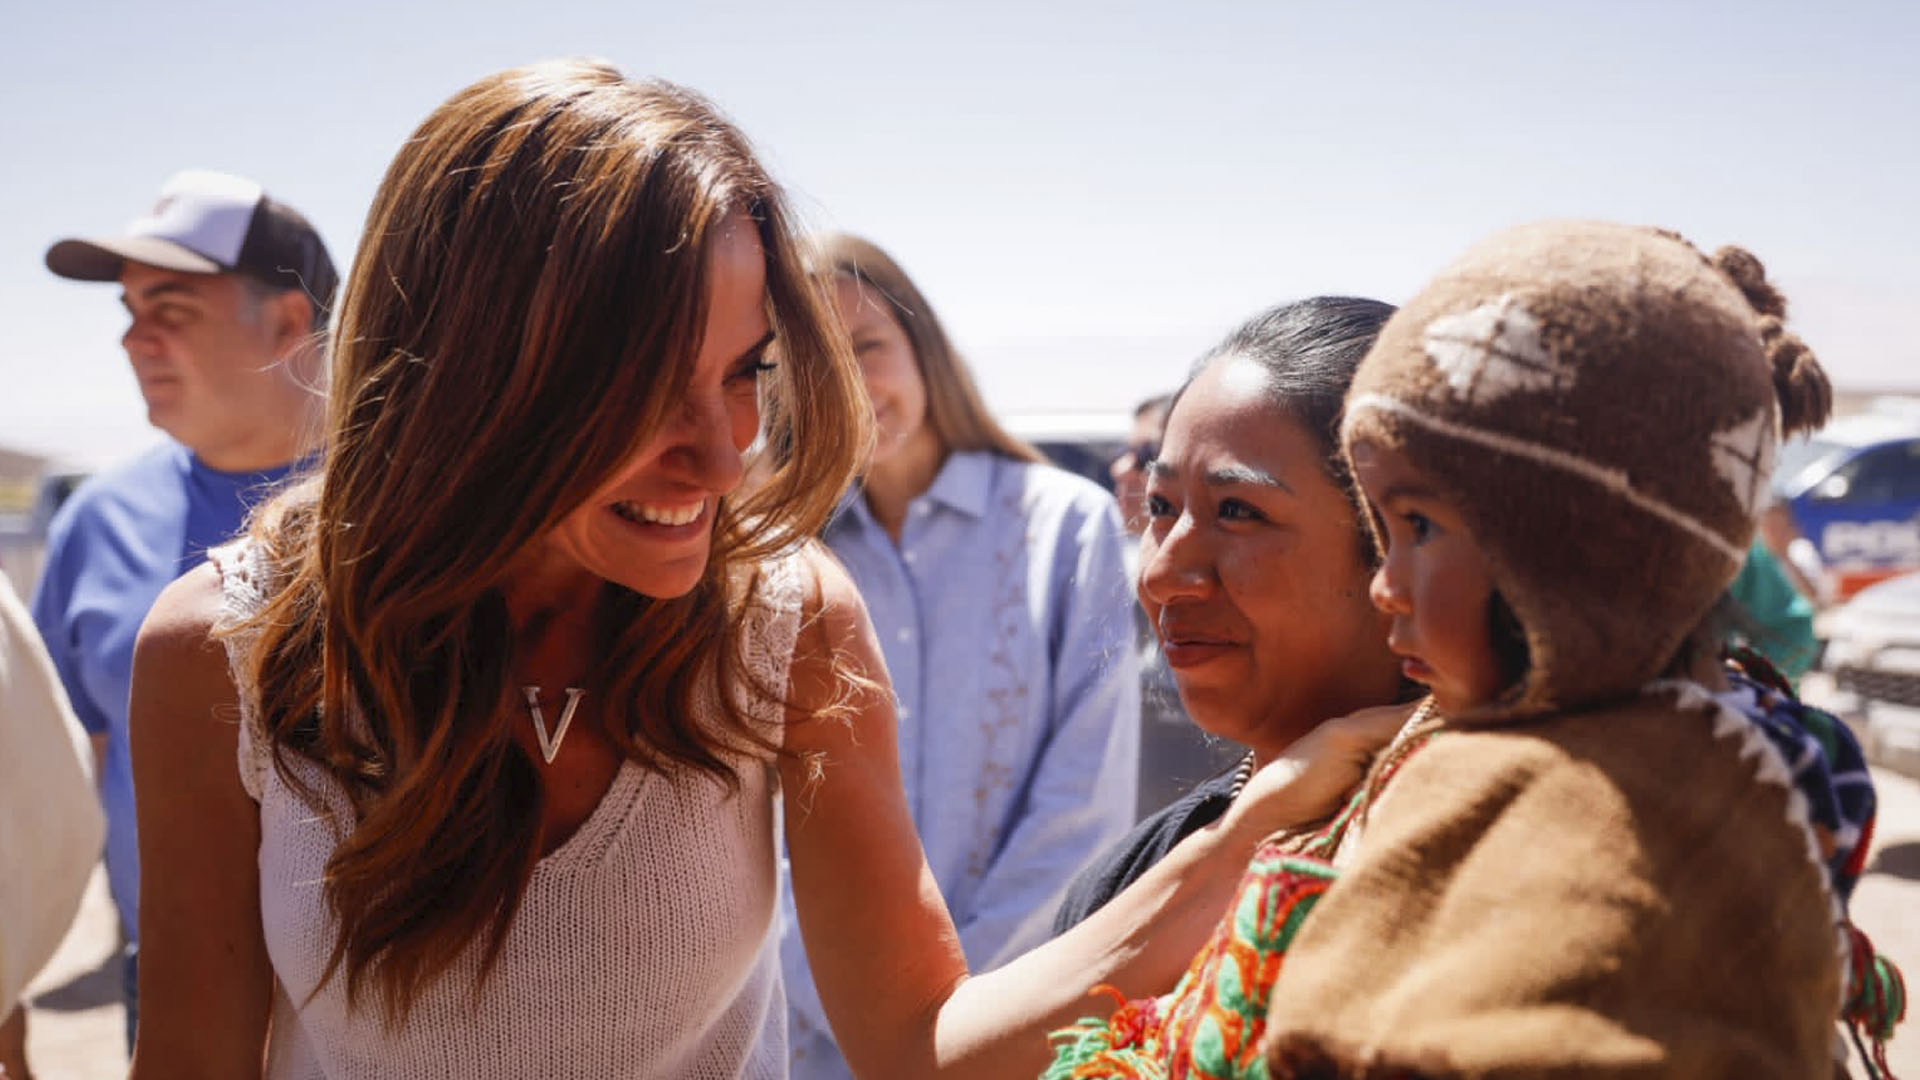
x=645, y=946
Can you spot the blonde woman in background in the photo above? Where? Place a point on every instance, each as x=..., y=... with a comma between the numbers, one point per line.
x=998, y=588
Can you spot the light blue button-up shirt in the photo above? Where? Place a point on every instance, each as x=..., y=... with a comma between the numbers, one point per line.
x=1006, y=619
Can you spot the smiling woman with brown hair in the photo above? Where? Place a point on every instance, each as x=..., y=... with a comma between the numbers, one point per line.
x=511, y=645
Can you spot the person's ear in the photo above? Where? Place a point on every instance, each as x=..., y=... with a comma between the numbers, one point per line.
x=290, y=317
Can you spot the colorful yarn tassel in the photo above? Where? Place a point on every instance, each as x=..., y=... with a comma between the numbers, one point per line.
x=1112, y=1048
x=1878, y=1002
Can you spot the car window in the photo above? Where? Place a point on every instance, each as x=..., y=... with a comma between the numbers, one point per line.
x=1884, y=474
x=1802, y=462
x=1087, y=457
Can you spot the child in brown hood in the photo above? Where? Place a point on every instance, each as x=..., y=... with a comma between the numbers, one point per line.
x=1594, y=858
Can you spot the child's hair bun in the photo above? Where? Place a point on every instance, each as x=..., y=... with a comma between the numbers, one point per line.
x=1806, y=399
x=1747, y=272
x=1799, y=382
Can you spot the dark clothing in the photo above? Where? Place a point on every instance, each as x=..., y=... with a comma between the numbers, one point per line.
x=1149, y=842
x=1174, y=754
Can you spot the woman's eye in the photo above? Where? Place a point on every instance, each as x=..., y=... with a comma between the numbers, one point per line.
x=753, y=371
x=1236, y=510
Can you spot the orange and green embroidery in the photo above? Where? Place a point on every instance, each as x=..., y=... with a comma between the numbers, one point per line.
x=1210, y=1026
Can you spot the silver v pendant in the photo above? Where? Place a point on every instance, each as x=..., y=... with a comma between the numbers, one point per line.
x=550, y=744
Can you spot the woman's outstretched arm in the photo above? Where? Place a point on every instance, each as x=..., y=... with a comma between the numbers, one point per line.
x=884, y=953
x=205, y=983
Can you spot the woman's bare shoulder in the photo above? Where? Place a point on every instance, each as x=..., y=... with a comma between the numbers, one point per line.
x=837, y=655
x=181, y=622
x=178, y=657
x=830, y=591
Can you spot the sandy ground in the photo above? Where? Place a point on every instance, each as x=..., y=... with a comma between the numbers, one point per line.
x=76, y=1033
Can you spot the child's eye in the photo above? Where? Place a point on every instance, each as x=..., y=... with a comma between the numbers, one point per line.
x=1419, y=524
x=1158, y=506
x=1238, y=510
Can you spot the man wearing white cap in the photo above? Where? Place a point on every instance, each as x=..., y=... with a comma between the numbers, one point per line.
x=228, y=291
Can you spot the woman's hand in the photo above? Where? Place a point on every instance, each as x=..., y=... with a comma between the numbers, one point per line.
x=1311, y=779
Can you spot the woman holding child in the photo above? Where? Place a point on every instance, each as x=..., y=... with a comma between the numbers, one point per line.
x=1586, y=853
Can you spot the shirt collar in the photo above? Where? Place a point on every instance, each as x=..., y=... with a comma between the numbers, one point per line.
x=964, y=482
x=272, y=474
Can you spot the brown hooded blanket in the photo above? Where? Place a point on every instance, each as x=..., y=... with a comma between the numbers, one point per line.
x=1629, y=890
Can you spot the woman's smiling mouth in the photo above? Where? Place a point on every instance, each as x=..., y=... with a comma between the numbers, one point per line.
x=665, y=521
x=657, y=514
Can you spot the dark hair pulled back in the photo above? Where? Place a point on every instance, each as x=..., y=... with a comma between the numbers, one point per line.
x=1310, y=349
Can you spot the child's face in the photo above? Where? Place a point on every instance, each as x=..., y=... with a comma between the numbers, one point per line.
x=1434, y=583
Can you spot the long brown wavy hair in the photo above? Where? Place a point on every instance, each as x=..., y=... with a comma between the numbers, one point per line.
x=956, y=410
x=526, y=304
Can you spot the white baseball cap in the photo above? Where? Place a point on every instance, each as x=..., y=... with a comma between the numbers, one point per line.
x=210, y=223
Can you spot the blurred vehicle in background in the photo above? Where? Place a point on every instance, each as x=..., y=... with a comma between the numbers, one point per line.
x=31, y=489
x=1084, y=443
x=1854, y=490
x=1873, y=643
x=1873, y=653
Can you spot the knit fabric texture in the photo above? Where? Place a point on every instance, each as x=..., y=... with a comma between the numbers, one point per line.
x=1209, y=1027
x=1631, y=890
x=1829, y=769
x=1761, y=745
x=644, y=946
x=1598, y=402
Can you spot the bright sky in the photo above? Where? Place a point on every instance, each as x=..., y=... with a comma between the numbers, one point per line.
x=1090, y=194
